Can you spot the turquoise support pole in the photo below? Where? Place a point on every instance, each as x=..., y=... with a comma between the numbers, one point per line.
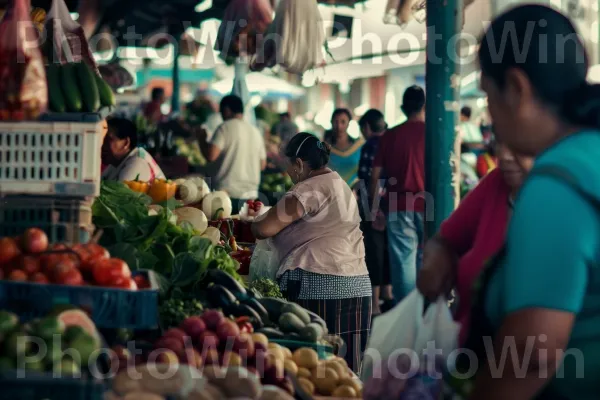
x=441, y=81
x=176, y=82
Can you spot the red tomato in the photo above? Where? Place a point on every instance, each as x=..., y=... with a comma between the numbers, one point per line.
x=141, y=282
x=28, y=264
x=52, y=262
x=34, y=240
x=257, y=205
x=39, y=277
x=70, y=277
x=250, y=203
x=17, y=275
x=89, y=254
x=106, y=272
x=9, y=249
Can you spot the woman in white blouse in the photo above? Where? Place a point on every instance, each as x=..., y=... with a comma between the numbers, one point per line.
x=126, y=161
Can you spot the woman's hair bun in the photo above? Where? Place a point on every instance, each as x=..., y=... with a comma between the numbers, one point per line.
x=582, y=106
x=323, y=146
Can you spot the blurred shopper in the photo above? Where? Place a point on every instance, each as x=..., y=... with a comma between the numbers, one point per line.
x=238, y=150
x=470, y=133
x=473, y=233
x=285, y=128
x=316, y=231
x=373, y=126
x=152, y=110
x=345, y=151
x=539, y=298
x=401, y=157
x=124, y=160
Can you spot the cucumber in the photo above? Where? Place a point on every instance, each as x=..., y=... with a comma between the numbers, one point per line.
x=107, y=96
x=271, y=333
x=256, y=306
x=222, y=278
x=273, y=306
x=56, y=100
x=312, y=333
x=289, y=322
x=298, y=311
x=70, y=88
x=314, y=318
x=87, y=87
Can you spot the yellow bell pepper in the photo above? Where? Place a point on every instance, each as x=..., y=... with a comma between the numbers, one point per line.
x=162, y=190
x=137, y=185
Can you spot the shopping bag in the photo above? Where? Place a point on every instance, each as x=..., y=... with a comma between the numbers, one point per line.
x=243, y=21
x=65, y=38
x=23, y=89
x=405, y=330
x=294, y=39
x=264, y=262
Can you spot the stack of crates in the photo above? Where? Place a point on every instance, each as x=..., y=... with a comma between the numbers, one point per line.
x=49, y=175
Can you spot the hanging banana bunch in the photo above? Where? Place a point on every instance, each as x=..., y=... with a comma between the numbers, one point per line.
x=38, y=17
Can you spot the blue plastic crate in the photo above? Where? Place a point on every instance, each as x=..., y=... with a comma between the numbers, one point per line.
x=65, y=220
x=108, y=308
x=42, y=386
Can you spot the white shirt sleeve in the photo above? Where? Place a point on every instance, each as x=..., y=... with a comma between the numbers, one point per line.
x=133, y=167
x=221, y=138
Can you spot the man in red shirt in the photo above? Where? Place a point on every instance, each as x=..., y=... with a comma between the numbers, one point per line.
x=401, y=157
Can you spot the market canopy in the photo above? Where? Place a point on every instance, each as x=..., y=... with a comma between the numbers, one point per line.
x=268, y=87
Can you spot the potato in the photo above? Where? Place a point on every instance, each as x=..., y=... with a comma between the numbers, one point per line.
x=306, y=358
x=142, y=396
x=123, y=384
x=286, y=352
x=274, y=393
x=290, y=366
x=353, y=383
x=239, y=382
x=341, y=370
x=344, y=392
x=326, y=382
x=303, y=373
x=306, y=385
x=111, y=396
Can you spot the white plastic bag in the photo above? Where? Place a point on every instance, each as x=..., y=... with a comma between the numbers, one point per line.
x=294, y=39
x=264, y=262
x=405, y=328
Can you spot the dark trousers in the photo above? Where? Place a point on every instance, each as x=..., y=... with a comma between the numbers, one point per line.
x=376, y=254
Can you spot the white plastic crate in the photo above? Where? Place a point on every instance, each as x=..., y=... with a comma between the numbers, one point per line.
x=57, y=158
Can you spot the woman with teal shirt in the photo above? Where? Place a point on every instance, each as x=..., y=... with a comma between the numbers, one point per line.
x=345, y=151
x=539, y=300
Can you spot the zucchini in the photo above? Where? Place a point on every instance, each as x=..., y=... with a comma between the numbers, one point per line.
x=271, y=333
x=289, y=322
x=221, y=297
x=315, y=318
x=222, y=278
x=56, y=100
x=107, y=96
x=88, y=87
x=256, y=306
x=70, y=89
x=298, y=311
x=273, y=306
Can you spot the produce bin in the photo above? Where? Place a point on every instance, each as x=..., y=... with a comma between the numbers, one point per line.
x=58, y=158
x=38, y=386
x=65, y=220
x=108, y=308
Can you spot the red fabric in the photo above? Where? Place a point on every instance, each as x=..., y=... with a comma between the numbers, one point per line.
x=476, y=231
x=401, y=153
x=483, y=166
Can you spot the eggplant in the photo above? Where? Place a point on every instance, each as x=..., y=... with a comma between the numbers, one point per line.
x=271, y=333
x=220, y=297
x=244, y=310
x=222, y=278
x=252, y=302
x=273, y=306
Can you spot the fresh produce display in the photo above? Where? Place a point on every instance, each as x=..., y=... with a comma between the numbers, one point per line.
x=192, y=190
x=330, y=377
x=191, y=151
x=162, y=190
x=217, y=205
x=266, y=288
x=65, y=343
x=276, y=183
x=75, y=87
x=138, y=186
x=29, y=258
x=150, y=240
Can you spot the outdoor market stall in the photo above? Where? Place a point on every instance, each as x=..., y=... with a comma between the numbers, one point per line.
x=112, y=278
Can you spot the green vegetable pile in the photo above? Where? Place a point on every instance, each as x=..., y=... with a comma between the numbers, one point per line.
x=266, y=288
x=153, y=242
x=174, y=310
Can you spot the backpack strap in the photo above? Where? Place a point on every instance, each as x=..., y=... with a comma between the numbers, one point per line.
x=563, y=175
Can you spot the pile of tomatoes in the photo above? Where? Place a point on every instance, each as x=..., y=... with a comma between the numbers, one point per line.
x=30, y=258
